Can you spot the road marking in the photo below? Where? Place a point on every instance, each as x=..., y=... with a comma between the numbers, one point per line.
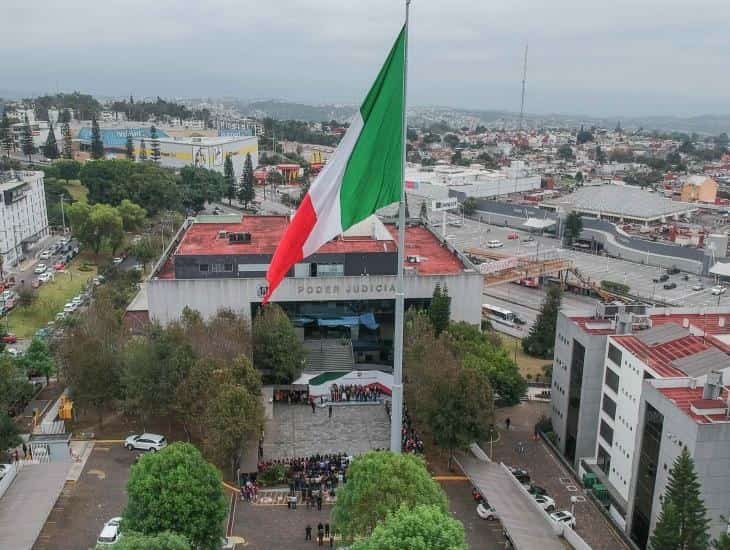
x=109, y=440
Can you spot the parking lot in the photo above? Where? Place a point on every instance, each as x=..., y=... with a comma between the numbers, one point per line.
x=84, y=506
x=638, y=276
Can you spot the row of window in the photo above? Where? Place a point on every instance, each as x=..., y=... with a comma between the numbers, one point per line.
x=215, y=268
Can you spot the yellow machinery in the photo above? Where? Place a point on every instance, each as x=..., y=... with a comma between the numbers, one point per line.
x=65, y=411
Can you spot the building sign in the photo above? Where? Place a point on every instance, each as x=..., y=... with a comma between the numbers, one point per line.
x=444, y=204
x=347, y=289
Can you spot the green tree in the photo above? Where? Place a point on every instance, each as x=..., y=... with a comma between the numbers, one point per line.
x=142, y=150
x=176, y=490
x=68, y=169
x=579, y=178
x=420, y=528
x=145, y=251
x=129, y=148
x=165, y=540
x=723, y=543
x=469, y=206
x=440, y=309
x=37, y=359
x=573, y=227
x=200, y=185
x=277, y=351
x=600, y=155
x=155, y=140
x=14, y=385
x=50, y=149
x=683, y=521
x=230, y=179
x=6, y=135
x=27, y=140
x=9, y=432
x=540, y=342
x=246, y=193
x=565, y=152
x=133, y=215
x=379, y=483
x=97, y=145
x=234, y=416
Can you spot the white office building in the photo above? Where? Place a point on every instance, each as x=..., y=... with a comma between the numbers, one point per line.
x=23, y=215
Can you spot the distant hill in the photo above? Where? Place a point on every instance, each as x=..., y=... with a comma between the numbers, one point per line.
x=285, y=110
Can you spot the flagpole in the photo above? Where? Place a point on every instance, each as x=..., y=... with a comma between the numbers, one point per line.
x=396, y=417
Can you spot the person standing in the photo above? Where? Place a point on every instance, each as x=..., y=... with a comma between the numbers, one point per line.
x=308, y=532
x=311, y=402
x=327, y=530
x=319, y=502
x=507, y=422
x=330, y=411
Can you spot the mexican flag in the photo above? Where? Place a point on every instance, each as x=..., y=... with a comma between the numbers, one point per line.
x=363, y=175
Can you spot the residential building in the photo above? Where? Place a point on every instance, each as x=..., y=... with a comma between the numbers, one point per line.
x=23, y=215
x=699, y=189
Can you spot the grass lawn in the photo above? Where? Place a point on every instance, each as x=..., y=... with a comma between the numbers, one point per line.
x=77, y=191
x=50, y=299
x=526, y=363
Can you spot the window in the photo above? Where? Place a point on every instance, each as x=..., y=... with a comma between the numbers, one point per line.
x=330, y=270
x=204, y=267
x=606, y=432
x=609, y=406
x=614, y=354
x=222, y=268
x=612, y=379
x=603, y=460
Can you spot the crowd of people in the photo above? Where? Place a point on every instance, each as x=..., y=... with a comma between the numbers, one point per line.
x=355, y=392
x=411, y=441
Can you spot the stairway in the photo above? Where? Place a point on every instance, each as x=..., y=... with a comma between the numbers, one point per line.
x=328, y=355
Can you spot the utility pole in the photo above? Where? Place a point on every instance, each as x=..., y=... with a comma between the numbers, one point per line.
x=63, y=217
x=524, y=81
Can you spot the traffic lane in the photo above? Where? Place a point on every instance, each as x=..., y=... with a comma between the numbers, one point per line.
x=533, y=298
x=84, y=506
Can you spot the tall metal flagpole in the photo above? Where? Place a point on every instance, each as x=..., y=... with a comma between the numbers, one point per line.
x=396, y=417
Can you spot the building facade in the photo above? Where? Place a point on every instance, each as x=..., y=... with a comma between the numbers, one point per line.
x=23, y=214
x=345, y=290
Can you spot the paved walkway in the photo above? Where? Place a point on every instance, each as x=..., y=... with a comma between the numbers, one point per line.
x=28, y=501
x=353, y=429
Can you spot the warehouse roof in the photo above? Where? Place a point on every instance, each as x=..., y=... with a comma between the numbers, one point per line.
x=616, y=200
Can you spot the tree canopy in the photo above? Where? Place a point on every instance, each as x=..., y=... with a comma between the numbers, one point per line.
x=440, y=309
x=277, y=351
x=540, y=342
x=379, y=483
x=573, y=226
x=199, y=185
x=176, y=490
x=420, y=528
x=166, y=540
x=246, y=193
x=97, y=145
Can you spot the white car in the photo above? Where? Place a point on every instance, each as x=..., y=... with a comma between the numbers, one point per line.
x=45, y=277
x=494, y=244
x=698, y=286
x=70, y=307
x=4, y=469
x=485, y=511
x=145, y=442
x=13, y=352
x=40, y=268
x=78, y=300
x=545, y=502
x=564, y=517
x=117, y=261
x=61, y=315
x=6, y=295
x=111, y=533
x=717, y=290
x=45, y=255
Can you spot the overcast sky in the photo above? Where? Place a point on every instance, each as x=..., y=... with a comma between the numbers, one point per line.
x=624, y=57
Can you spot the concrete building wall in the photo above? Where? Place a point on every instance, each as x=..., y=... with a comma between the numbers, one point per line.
x=168, y=297
x=589, y=406
x=23, y=214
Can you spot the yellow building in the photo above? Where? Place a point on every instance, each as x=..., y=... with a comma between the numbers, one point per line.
x=699, y=189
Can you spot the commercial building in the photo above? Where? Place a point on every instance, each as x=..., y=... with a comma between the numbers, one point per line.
x=631, y=388
x=699, y=189
x=23, y=215
x=115, y=139
x=343, y=293
x=620, y=204
x=205, y=152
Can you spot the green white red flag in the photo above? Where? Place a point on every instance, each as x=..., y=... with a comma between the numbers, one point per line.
x=363, y=175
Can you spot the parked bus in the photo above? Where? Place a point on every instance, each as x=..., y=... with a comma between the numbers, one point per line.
x=498, y=314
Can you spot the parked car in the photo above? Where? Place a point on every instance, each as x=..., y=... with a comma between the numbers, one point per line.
x=513, y=236
x=40, y=268
x=661, y=278
x=698, y=286
x=61, y=315
x=670, y=286
x=494, y=244
x=673, y=270
x=519, y=320
x=718, y=289
x=110, y=534
x=9, y=338
x=77, y=300
x=522, y=476
x=4, y=469
x=536, y=490
x=545, y=502
x=117, y=260
x=45, y=255
x=145, y=442
x=485, y=511
x=564, y=517
x=70, y=307
x=58, y=266
x=528, y=239
x=13, y=352
x=45, y=277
